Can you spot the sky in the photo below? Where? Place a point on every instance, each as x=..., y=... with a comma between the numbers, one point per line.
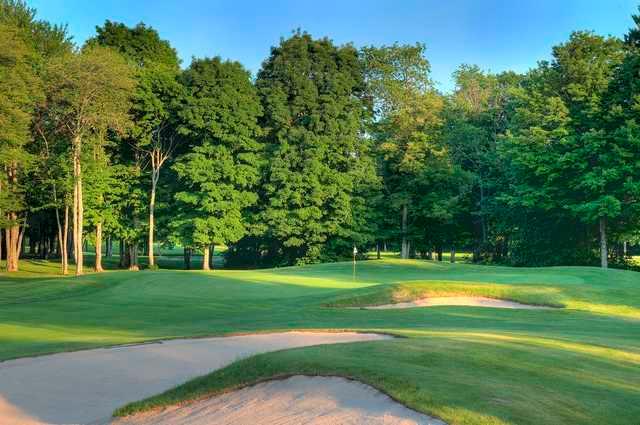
x=496, y=35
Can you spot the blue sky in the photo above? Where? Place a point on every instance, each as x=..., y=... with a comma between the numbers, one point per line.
x=495, y=34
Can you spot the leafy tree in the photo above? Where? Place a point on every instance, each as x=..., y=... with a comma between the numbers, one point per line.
x=141, y=44
x=88, y=93
x=20, y=93
x=407, y=123
x=565, y=158
x=218, y=176
x=155, y=101
x=310, y=91
x=476, y=115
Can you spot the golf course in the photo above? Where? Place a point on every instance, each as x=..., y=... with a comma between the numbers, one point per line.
x=577, y=363
x=319, y=213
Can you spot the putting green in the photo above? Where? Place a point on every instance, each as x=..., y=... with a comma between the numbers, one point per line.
x=467, y=365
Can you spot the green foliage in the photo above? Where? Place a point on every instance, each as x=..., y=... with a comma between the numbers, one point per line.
x=89, y=91
x=218, y=175
x=21, y=91
x=312, y=116
x=330, y=147
x=564, y=159
x=141, y=44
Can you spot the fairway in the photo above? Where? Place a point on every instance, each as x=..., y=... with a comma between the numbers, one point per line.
x=465, y=365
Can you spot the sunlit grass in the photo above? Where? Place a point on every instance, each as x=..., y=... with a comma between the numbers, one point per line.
x=578, y=364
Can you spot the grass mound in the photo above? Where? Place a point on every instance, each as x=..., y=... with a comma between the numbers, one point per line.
x=411, y=291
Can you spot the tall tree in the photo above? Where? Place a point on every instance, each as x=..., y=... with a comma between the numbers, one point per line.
x=18, y=98
x=88, y=94
x=155, y=101
x=476, y=116
x=565, y=157
x=407, y=122
x=310, y=91
x=219, y=174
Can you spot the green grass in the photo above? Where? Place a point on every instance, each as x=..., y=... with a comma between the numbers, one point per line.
x=575, y=365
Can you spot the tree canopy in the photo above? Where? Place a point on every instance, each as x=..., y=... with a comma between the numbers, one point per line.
x=329, y=150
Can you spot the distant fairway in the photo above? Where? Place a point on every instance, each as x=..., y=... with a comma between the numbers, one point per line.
x=579, y=364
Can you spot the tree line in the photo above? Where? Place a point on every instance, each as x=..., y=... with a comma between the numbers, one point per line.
x=328, y=148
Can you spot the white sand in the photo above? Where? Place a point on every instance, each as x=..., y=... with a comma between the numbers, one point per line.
x=87, y=386
x=458, y=301
x=293, y=401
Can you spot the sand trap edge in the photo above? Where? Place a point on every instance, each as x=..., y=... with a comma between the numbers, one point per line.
x=266, y=380
x=458, y=301
x=208, y=336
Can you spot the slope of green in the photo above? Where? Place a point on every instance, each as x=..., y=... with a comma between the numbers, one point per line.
x=468, y=365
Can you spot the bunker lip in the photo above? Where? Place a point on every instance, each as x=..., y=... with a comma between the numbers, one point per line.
x=460, y=301
x=289, y=400
x=87, y=386
x=163, y=340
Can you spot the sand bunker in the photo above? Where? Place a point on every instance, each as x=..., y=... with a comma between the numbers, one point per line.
x=293, y=401
x=458, y=301
x=87, y=386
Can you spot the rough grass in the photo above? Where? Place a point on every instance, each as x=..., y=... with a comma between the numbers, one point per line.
x=467, y=365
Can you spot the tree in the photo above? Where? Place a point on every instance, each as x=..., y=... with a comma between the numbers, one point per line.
x=140, y=44
x=88, y=94
x=218, y=176
x=155, y=101
x=31, y=43
x=407, y=123
x=21, y=90
x=310, y=91
x=476, y=116
x=565, y=158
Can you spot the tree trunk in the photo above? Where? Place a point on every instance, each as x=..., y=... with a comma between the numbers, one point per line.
x=62, y=233
x=122, y=263
x=13, y=236
x=109, y=250
x=152, y=205
x=404, y=250
x=65, y=242
x=482, y=219
x=133, y=257
x=78, y=205
x=439, y=252
x=187, y=258
x=205, y=258
x=7, y=240
x=624, y=249
x=213, y=248
x=98, y=266
x=9, y=249
x=378, y=250
x=604, y=263
x=453, y=254
x=14, y=240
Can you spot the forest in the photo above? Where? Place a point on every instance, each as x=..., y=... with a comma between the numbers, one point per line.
x=328, y=148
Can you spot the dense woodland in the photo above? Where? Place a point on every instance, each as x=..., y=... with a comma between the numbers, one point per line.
x=328, y=147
